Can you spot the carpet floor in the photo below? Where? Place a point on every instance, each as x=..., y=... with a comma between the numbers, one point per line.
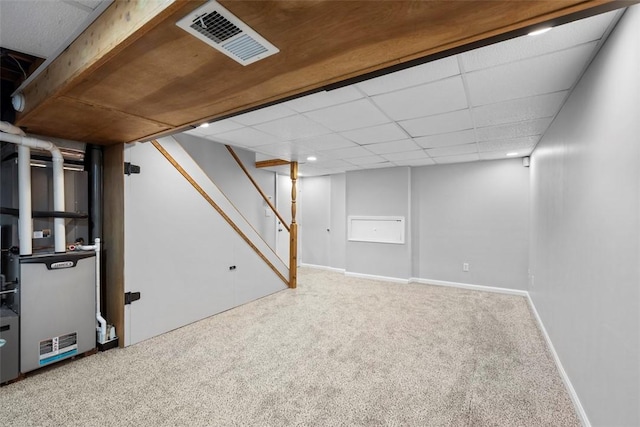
x=337, y=351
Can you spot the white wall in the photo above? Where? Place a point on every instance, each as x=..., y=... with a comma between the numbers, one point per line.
x=338, y=233
x=180, y=254
x=217, y=163
x=379, y=192
x=315, y=220
x=475, y=213
x=585, y=237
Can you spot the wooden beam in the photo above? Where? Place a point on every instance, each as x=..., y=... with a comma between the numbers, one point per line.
x=293, y=233
x=271, y=163
x=113, y=237
x=121, y=24
x=257, y=187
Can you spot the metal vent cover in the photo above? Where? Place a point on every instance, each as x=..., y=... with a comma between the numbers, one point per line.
x=219, y=28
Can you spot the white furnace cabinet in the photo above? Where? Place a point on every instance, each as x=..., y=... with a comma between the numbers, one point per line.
x=183, y=258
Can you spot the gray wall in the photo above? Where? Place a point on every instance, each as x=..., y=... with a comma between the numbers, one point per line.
x=315, y=219
x=323, y=206
x=476, y=213
x=338, y=234
x=585, y=237
x=217, y=163
x=379, y=192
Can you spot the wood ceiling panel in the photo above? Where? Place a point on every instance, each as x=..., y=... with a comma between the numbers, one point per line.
x=170, y=77
x=66, y=118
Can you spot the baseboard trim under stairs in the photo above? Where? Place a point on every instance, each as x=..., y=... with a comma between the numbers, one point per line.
x=582, y=415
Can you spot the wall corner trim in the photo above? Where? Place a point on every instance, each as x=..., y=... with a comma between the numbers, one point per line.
x=470, y=286
x=563, y=374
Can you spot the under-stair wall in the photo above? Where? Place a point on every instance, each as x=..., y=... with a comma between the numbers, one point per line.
x=183, y=257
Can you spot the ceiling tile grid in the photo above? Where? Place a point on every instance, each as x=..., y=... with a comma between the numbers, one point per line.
x=478, y=105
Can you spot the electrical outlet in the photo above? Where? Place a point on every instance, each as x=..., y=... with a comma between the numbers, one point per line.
x=465, y=266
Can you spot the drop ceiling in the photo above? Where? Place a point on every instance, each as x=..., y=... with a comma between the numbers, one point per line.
x=479, y=105
x=45, y=28
x=133, y=74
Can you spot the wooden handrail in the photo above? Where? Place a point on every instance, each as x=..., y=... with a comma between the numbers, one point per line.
x=255, y=184
x=213, y=204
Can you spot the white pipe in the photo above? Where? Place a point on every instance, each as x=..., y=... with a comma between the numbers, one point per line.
x=15, y=135
x=59, y=231
x=25, y=223
x=102, y=329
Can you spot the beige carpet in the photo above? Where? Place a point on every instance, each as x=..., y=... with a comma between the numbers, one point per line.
x=335, y=352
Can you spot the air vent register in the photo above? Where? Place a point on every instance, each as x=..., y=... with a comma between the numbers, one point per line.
x=219, y=28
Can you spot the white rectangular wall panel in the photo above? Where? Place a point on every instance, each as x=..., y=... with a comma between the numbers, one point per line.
x=376, y=229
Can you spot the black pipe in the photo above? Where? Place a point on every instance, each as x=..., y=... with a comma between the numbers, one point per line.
x=94, y=153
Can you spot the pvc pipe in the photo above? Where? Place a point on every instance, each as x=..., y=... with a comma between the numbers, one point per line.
x=25, y=222
x=15, y=135
x=102, y=329
x=59, y=231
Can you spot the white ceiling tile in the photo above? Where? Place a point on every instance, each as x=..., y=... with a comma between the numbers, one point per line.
x=323, y=99
x=514, y=130
x=406, y=155
x=367, y=160
x=92, y=4
x=264, y=115
x=453, y=150
x=509, y=144
x=42, y=31
x=393, y=146
x=335, y=164
x=374, y=134
x=426, y=100
x=559, y=38
x=353, y=115
x=349, y=153
x=413, y=76
x=440, y=123
x=216, y=128
x=285, y=150
x=494, y=155
x=519, y=110
x=379, y=165
x=463, y=158
x=245, y=137
x=330, y=141
x=447, y=139
x=536, y=76
x=294, y=127
x=308, y=170
x=415, y=162
x=502, y=155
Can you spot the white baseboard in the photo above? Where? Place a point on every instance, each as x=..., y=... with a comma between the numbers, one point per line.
x=470, y=286
x=374, y=277
x=322, y=267
x=563, y=374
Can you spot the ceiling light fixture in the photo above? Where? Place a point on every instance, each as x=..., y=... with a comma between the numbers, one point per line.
x=540, y=31
x=312, y=158
x=512, y=154
x=204, y=125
